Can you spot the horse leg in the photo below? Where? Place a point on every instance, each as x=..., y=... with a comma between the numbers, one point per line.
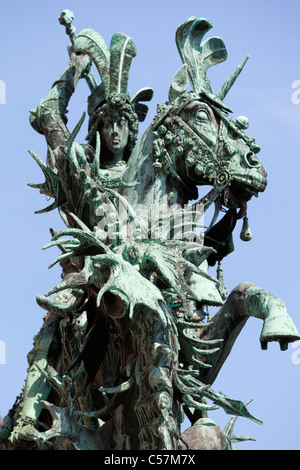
x=246, y=300
x=36, y=387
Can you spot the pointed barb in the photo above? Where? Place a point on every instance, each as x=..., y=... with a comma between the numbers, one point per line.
x=38, y=160
x=186, y=324
x=52, y=206
x=198, y=405
x=198, y=363
x=203, y=342
x=120, y=388
x=64, y=241
x=61, y=258
x=231, y=80
x=75, y=219
x=73, y=284
x=36, y=186
x=205, y=352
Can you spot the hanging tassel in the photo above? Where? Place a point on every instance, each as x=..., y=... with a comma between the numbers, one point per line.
x=246, y=234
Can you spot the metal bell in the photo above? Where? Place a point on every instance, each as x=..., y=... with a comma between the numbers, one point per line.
x=246, y=234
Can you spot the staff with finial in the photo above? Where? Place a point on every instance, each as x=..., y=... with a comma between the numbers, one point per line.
x=66, y=18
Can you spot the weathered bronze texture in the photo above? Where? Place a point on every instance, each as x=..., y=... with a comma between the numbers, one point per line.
x=127, y=347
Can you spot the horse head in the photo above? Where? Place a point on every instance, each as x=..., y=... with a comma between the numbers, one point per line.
x=194, y=142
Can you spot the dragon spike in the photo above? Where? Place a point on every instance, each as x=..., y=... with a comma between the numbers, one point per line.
x=231, y=80
x=38, y=160
x=36, y=186
x=122, y=51
x=63, y=241
x=61, y=257
x=50, y=208
x=52, y=305
x=73, y=218
x=187, y=324
x=84, y=237
x=51, y=185
x=187, y=389
x=80, y=281
x=123, y=387
x=63, y=285
x=203, y=342
x=50, y=175
x=198, y=405
x=198, y=363
x=205, y=352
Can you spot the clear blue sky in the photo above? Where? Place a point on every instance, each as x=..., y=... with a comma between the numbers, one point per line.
x=34, y=54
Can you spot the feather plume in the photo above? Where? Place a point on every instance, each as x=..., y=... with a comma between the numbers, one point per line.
x=188, y=39
x=122, y=50
x=196, y=55
x=90, y=42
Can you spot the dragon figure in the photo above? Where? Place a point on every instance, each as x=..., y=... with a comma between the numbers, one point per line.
x=127, y=349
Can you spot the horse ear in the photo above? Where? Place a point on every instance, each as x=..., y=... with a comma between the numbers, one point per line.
x=141, y=111
x=145, y=94
x=179, y=83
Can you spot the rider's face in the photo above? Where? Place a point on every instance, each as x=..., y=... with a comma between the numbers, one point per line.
x=114, y=133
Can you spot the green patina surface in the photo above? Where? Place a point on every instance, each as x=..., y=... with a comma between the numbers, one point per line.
x=127, y=346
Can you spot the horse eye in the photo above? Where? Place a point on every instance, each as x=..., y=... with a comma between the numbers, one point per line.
x=251, y=160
